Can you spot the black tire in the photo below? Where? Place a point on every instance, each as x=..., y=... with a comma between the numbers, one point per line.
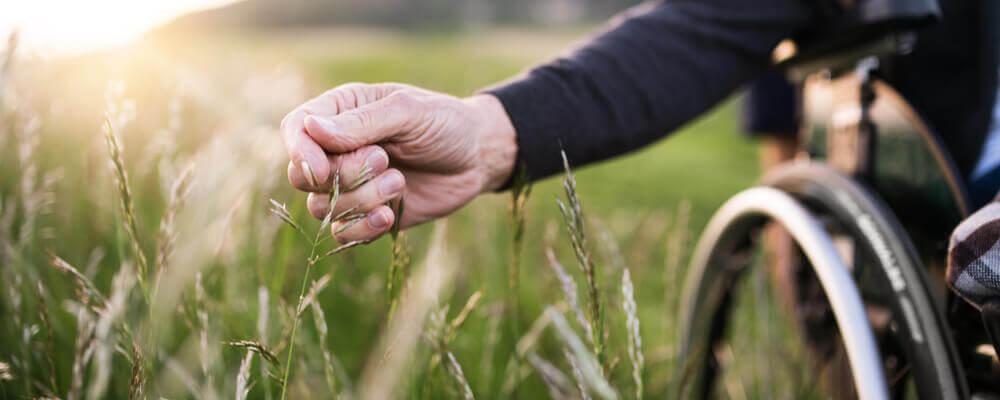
x=915, y=343
x=923, y=335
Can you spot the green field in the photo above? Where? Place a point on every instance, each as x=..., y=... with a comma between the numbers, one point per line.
x=231, y=271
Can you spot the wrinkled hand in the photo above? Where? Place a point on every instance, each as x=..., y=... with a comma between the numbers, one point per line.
x=389, y=141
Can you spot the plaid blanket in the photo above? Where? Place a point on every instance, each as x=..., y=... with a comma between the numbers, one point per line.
x=974, y=256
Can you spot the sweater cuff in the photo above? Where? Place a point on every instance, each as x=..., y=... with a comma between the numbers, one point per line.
x=534, y=110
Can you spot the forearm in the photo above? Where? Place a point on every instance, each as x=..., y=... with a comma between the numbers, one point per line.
x=642, y=78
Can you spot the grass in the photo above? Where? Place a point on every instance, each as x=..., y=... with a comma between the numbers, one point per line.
x=163, y=275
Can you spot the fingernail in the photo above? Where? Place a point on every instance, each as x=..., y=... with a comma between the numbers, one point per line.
x=390, y=184
x=310, y=176
x=377, y=160
x=378, y=220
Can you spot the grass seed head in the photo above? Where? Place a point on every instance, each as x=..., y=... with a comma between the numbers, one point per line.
x=256, y=347
x=5, y=374
x=634, y=337
x=588, y=362
x=243, y=377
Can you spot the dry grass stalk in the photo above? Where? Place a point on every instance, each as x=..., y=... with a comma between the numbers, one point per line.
x=333, y=370
x=568, y=286
x=399, y=262
x=201, y=314
x=634, y=337
x=489, y=348
x=588, y=363
x=451, y=365
x=50, y=345
x=137, y=382
x=314, y=258
x=456, y=323
x=525, y=345
x=574, y=221
x=281, y=211
x=263, y=321
x=86, y=292
x=127, y=205
x=7, y=215
x=555, y=381
x=385, y=368
x=441, y=333
x=342, y=248
x=105, y=339
x=5, y=374
x=578, y=378
x=455, y=370
x=166, y=235
x=83, y=351
x=364, y=176
x=263, y=312
x=243, y=377
x=257, y=347
x=314, y=289
x=28, y=141
x=534, y=333
x=520, y=193
x=186, y=379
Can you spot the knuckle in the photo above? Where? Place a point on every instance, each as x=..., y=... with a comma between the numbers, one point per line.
x=348, y=95
x=349, y=86
x=364, y=119
x=404, y=101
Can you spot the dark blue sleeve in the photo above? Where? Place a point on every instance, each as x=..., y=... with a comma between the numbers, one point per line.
x=654, y=69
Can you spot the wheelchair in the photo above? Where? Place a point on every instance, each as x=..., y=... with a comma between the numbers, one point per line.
x=868, y=210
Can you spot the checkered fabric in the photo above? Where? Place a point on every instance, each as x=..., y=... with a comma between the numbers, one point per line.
x=974, y=256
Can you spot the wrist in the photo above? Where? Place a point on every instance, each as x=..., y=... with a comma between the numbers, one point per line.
x=497, y=141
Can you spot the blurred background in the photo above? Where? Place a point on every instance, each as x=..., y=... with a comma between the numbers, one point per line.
x=193, y=92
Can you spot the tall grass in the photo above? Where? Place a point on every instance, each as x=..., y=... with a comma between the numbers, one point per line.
x=520, y=192
x=400, y=261
x=138, y=258
x=316, y=255
x=573, y=218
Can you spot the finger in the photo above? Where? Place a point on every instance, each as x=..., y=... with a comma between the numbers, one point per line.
x=366, y=227
x=318, y=204
x=371, y=123
x=306, y=155
x=354, y=167
x=369, y=196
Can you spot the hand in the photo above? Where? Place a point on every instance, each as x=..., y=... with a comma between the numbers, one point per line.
x=389, y=141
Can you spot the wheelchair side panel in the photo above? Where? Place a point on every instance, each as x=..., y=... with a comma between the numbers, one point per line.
x=911, y=169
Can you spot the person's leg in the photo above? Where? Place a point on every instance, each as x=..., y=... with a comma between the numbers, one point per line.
x=779, y=251
x=770, y=115
x=776, y=149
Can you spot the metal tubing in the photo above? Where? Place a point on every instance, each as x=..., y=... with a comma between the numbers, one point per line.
x=748, y=210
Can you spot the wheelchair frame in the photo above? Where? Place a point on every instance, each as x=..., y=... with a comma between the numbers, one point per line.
x=851, y=150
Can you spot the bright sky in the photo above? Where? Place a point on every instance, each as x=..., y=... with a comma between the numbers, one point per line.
x=73, y=26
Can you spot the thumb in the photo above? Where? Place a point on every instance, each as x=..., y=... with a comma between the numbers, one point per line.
x=369, y=124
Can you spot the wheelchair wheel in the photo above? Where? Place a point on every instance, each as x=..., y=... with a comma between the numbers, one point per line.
x=914, y=350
